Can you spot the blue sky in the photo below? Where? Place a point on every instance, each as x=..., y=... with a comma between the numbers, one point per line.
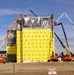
x=9, y=10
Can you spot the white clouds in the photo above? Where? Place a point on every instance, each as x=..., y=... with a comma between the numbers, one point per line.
x=11, y=11
x=8, y=11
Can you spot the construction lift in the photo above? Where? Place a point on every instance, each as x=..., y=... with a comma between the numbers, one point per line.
x=67, y=57
x=6, y=37
x=65, y=14
x=69, y=54
x=64, y=57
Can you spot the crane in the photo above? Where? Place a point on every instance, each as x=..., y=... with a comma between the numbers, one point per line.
x=65, y=38
x=65, y=14
x=20, y=15
x=33, y=12
x=69, y=57
x=64, y=58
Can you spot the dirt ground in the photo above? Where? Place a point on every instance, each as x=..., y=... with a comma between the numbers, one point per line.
x=62, y=68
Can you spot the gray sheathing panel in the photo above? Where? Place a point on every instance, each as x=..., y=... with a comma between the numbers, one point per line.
x=36, y=22
x=11, y=41
x=46, y=22
x=19, y=25
x=11, y=57
x=26, y=22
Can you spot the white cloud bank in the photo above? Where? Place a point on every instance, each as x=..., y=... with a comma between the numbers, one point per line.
x=8, y=11
x=11, y=11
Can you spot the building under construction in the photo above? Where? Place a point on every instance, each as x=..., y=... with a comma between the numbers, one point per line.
x=33, y=40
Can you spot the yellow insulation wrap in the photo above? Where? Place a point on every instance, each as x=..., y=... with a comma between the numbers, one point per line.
x=11, y=49
x=19, y=45
x=37, y=44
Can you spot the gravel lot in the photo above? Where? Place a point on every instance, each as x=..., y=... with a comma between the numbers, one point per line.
x=40, y=68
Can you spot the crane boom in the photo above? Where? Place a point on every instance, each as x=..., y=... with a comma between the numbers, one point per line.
x=61, y=43
x=65, y=38
x=20, y=15
x=64, y=14
x=33, y=13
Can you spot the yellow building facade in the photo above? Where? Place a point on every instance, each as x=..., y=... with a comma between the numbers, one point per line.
x=34, y=39
x=37, y=44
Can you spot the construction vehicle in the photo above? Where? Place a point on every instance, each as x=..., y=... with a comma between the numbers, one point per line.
x=54, y=56
x=67, y=57
x=64, y=57
x=66, y=15
x=1, y=59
